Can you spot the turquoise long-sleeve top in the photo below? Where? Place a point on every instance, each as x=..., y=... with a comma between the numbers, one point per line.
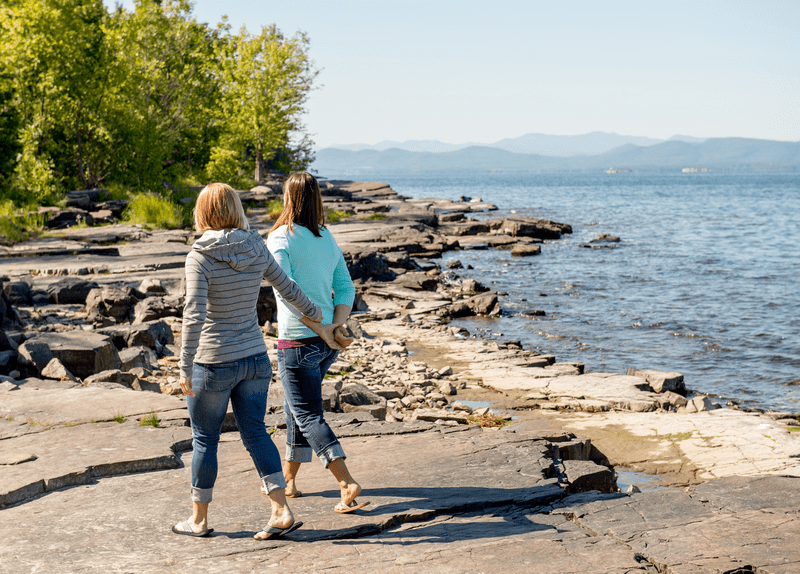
x=317, y=265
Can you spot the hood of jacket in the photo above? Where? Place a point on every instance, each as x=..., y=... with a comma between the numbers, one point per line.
x=236, y=247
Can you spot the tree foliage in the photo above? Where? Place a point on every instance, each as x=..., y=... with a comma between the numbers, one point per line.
x=140, y=97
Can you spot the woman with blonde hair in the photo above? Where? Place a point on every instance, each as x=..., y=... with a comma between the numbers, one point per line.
x=223, y=354
x=309, y=255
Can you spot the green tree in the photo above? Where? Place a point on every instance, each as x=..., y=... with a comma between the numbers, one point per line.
x=9, y=129
x=266, y=80
x=168, y=100
x=55, y=51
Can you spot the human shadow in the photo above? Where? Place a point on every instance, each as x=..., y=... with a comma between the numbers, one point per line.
x=452, y=498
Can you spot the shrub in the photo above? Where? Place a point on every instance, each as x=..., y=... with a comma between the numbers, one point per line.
x=335, y=215
x=376, y=217
x=16, y=225
x=274, y=208
x=150, y=420
x=154, y=211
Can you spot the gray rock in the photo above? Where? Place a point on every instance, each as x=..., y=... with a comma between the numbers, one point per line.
x=34, y=355
x=661, y=381
x=55, y=369
x=472, y=286
x=154, y=334
x=369, y=266
x=699, y=404
x=525, y=250
x=674, y=399
x=19, y=293
x=69, y=218
x=330, y=398
x=151, y=285
x=71, y=291
x=8, y=315
x=447, y=389
x=605, y=238
x=528, y=227
x=117, y=303
x=133, y=357
x=153, y=308
x=8, y=360
x=585, y=475
x=358, y=398
x=111, y=376
x=83, y=353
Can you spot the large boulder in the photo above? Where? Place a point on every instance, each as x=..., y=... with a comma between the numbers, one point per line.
x=133, y=357
x=153, y=308
x=114, y=302
x=358, y=398
x=153, y=334
x=661, y=381
x=83, y=353
x=71, y=291
x=585, y=475
x=369, y=266
x=8, y=316
x=68, y=218
x=55, y=369
x=19, y=293
x=529, y=227
x=112, y=376
x=525, y=250
x=34, y=356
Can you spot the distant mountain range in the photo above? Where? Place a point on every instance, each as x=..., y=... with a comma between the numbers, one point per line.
x=676, y=153
x=542, y=144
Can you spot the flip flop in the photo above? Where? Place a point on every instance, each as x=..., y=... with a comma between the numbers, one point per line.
x=343, y=508
x=273, y=532
x=185, y=529
x=297, y=494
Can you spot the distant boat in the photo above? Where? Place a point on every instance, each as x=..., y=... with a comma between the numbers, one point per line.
x=617, y=170
x=695, y=170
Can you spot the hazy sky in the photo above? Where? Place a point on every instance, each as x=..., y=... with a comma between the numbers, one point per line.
x=481, y=71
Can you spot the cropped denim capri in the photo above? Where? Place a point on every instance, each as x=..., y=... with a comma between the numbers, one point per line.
x=302, y=370
x=245, y=382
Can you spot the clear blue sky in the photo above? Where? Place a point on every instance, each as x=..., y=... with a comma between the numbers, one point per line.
x=480, y=71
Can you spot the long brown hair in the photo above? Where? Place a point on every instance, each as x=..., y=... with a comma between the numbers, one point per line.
x=302, y=204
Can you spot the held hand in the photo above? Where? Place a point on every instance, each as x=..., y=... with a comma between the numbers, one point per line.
x=327, y=334
x=342, y=337
x=186, y=386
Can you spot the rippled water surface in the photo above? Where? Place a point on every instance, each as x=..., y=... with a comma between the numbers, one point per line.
x=704, y=282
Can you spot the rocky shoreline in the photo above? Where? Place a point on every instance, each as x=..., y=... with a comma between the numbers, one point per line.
x=88, y=357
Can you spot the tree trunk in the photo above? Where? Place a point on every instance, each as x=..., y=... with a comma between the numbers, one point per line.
x=80, y=146
x=259, y=163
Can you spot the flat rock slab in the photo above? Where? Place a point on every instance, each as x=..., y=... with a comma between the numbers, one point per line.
x=734, y=524
x=463, y=501
x=60, y=406
x=718, y=443
x=76, y=455
x=407, y=478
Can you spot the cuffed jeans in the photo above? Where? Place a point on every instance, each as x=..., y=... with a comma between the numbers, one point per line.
x=245, y=383
x=302, y=370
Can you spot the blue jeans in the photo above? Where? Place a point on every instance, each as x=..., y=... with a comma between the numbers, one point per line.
x=302, y=370
x=246, y=383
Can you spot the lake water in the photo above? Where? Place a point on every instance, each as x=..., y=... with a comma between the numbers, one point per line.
x=704, y=282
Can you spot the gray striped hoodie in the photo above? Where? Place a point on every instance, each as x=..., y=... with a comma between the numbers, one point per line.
x=223, y=276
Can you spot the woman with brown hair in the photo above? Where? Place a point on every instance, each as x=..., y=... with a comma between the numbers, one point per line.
x=223, y=354
x=308, y=254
